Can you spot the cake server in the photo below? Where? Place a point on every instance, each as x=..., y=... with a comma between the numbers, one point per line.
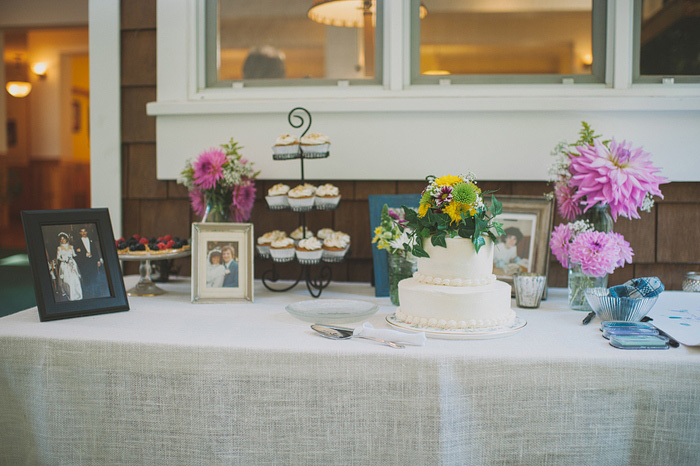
x=342, y=333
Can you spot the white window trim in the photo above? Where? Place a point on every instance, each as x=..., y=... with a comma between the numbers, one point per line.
x=180, y=46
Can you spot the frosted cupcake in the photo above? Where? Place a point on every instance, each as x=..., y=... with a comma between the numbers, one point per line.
x=301, y=198
x=277, y=197
x=334, y=249
x=286, y=146
x=309, y=250
x=327, y=197
x=324, y=233
x=341, y=236
x=315, y=143
x=297, y=235
x=265, y=240
x=282, y=249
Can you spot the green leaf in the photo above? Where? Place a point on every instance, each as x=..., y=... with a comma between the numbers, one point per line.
x=496, y=206
x=478, y=242
x=418, y=251
x=438, y=240
x=425, y=232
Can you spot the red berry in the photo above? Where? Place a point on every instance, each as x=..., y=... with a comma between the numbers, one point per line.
x=161, y=246
x=170, y=244
x=143, y=241
x=160, y=238
x=121, y=240
x=167, y=237
x=136, y=236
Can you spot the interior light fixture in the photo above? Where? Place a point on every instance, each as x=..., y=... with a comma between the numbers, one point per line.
x=347, y=13
x=18, y=88
x=40, y=69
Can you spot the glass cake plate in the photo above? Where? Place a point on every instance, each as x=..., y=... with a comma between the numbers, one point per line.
x=461, y=334
x=331, y=311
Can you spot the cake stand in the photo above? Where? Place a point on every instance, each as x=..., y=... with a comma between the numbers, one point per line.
x=145, y=286
x=460, y=334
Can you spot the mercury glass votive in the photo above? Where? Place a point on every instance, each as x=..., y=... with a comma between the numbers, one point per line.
x=529, y=288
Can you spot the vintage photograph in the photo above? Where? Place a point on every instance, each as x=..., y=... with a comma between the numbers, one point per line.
x=222, y=262
x=514, y=251
x=74, y=263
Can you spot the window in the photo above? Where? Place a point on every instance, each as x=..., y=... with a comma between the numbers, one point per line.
x=667, y=41
x=292, y=42
x=520, y=41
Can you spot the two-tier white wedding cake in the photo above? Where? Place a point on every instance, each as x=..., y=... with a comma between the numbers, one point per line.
x=455, y=289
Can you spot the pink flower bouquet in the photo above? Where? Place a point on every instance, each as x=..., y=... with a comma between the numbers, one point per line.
x=221, y=184
x=591, y=172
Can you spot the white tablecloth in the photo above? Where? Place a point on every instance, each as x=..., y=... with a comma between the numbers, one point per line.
x=170, y=382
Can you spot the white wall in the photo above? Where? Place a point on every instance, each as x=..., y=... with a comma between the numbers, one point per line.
x=43, y=13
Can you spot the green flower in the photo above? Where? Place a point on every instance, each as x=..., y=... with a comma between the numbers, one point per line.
x=464, y=193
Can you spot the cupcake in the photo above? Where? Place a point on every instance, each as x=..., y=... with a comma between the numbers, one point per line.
x=309, y=250
x=341, y=236
x=315, y=143
x=334, y=249
x=327, y=197
x=324, y=233
x=282, y=249
x=277, y=197
x=286, y=146
x=301, y=198
x=298, y=235
x=265, y=240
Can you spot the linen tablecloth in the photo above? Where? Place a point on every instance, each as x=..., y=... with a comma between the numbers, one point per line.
x=170, y=382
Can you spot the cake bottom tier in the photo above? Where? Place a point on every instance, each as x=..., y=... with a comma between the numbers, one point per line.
x=435, y=306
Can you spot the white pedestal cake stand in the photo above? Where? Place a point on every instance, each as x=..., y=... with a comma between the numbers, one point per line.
x=145, y=286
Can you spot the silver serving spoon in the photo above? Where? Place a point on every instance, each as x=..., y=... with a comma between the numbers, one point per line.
x=343, y=334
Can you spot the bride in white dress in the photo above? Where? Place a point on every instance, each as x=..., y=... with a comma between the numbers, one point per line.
x=68, y=273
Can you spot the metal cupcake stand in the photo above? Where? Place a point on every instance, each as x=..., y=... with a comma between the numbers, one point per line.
x=319, y=279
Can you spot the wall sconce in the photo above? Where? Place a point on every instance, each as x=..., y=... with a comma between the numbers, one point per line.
x=587, y=59
x=18, y=88
x=40, y=69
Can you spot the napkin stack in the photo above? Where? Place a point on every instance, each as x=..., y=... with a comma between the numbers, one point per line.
x=645, y=287
x=367, y=330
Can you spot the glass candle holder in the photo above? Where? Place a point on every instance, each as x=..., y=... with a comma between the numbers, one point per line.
x=529, y=288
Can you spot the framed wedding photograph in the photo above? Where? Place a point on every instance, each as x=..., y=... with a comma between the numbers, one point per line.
x=524, y=248
x=74, y=262
x=222, y=262
x=379, y=256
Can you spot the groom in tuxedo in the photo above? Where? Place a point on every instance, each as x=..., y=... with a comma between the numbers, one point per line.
x=231, y=266
x=91, y=266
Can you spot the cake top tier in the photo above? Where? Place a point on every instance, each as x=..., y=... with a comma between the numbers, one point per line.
x=459, y=260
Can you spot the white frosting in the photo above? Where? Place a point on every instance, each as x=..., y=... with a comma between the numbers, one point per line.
x=310, y=244
x=297, y=234
x=339, y=235
x=430, y=280
x=324, y=233
x=335, y=243
x=303, y=190
x=270, y=236
x=445, y=307
x=458, y=260
x=278, y=190
x=327, y=190
x=286, y=140
x=315, y=138
x=282, y=243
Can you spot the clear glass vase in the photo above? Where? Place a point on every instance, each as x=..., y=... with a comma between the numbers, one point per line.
x=400, y=267
x=599, y=216
x=579, y=282
x=217, y=211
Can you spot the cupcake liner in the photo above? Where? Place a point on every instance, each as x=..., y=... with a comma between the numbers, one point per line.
x=277, y=202
x=263, y=251
x=303, y=204
x=334, y=256
x=282, y=255
x=327, y=203
x=309, y=257
x=288, y=150
x=315, y=151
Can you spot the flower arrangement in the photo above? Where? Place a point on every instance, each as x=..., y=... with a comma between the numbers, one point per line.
x=221, y=184
x=598, y=253
x=592, y=172
x=390, y=235
x=452, y=206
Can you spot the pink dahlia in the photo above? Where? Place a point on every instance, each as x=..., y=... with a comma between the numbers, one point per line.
x=625, y=250
x=199, y=202
x=208, y=168
x=559, y=242
x=597, y=252
x=618, y=176
x=568, y=208
x=243, y=200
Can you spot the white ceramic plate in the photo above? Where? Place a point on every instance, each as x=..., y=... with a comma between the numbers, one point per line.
x=331, y=311
x=459, y=334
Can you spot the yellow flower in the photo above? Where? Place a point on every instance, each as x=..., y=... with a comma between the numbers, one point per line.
x=448, y=180
x=423, y=209
x=378, y=230
x=455, y=211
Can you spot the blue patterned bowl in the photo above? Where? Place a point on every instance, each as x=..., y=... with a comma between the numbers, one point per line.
x=623, y=308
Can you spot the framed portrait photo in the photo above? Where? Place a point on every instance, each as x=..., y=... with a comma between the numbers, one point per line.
x=379, y=257
x=74, y=262
x=524, y=248
x=222, y=262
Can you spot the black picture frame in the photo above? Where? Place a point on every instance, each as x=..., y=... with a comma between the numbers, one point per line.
x=379, y=256
x=40, y=228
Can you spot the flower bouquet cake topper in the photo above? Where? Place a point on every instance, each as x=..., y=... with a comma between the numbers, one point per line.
x=221, y=183
x=452, y=206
